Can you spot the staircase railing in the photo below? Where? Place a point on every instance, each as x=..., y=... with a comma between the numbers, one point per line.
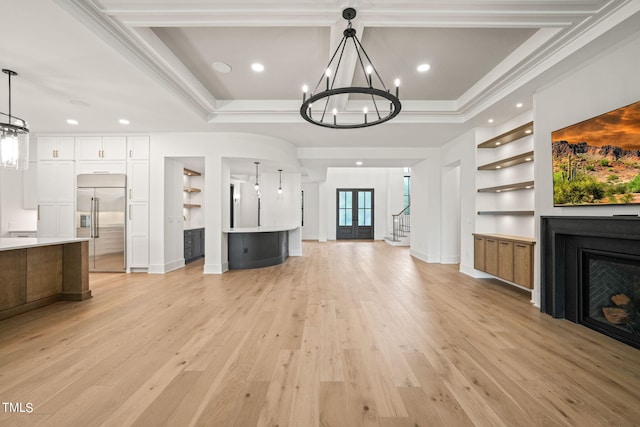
x=401, y=224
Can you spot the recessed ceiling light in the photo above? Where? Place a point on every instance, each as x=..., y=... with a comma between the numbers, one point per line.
x=123, y=121
x=498, y=167
x=528, y=159
x=519, y=105
x=424, y=67
x=258, y=68
x=528, y=187
x=72, y=121
x=528, y=131
x=498, y=143
x=221, y=67
x=358, y=163
x=490, y=120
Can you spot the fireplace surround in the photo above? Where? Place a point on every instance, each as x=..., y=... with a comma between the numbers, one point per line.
x=590, y=273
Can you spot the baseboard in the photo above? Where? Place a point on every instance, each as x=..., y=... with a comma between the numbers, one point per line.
x=215, y=268
x=450, y=260
x=156, y=269
x=297, y=252
x=312, y=237
x=174, y=265
x=424, y=257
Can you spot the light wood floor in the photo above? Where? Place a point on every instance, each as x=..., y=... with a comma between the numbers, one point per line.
x=350, y=334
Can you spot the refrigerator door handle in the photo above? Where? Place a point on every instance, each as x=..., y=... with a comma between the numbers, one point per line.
x=97, y=220
x=91, y=216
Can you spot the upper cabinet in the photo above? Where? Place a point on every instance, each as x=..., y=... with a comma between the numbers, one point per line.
x=138, y=147
x=56, y=148
x=101, y=148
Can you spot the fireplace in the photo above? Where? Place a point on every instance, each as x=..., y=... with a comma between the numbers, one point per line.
x=591, y=273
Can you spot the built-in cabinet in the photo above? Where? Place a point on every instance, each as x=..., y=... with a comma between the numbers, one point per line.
x=507, y=257
x=138, y=202
x=56, y=187
x=61, y=159
x=193, y=244
x=505, y=204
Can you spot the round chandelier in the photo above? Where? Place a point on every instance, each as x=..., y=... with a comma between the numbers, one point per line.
x=14, y=137
x=383, y=104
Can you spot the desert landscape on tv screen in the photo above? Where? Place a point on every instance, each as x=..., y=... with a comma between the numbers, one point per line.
x=597, y=161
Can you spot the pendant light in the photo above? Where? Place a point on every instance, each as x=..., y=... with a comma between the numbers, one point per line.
x=14, y=137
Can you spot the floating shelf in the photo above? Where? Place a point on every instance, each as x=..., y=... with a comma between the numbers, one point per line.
x=507, y=137
x=509, y=187
x=192, y=190
x=513, y=213
x=191, y=205
x=505, y=163
x=190, y=172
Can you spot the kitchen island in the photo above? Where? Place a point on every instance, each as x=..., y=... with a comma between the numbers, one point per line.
x=38, y=271
x=264, y=246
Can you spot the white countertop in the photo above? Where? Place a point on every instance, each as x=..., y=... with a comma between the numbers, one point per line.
x=263, y=229
x=10, y=243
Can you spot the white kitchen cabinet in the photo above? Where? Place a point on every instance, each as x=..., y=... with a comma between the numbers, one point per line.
x=56, y=148
x=138, y=235
x=101, y=148
x=56, y=220
x=56, y=182
x=138, y=147
x=138, y=181
x=30, y=187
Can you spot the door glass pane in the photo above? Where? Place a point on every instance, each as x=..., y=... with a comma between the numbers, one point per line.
x=367, y=217
x=348, y=219
x=342, y=197
x=349, y=200
x=367, y=200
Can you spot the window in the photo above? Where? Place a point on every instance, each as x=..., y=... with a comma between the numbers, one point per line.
x=364, y=208
x=407, y=193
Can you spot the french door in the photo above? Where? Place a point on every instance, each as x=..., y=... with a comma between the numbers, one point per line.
x=354, y=213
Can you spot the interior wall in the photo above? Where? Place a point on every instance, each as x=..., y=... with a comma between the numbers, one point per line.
x=365, y=178
x=604, y=83
x=213, y=147
x=310, y=229
x=12, y=214
x=174, y=214
x=425, y=208
x=450, y=247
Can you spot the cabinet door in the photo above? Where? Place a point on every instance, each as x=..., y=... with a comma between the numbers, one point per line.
x=65, y=147
x=30, y=187
x=47, y=220
x=197, y=243
x=523, y=265
x=66, y=221
x=89, y=147
x=47, y=182
x=138, y=180
x=114, y=148
x=505, y=260
x=478, y=253
x=138, y=147
x=491, y=256
x=47, y=146
x=66, y=182
x=139, y=235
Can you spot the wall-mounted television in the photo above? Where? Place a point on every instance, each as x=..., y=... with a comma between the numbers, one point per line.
x=597, y=161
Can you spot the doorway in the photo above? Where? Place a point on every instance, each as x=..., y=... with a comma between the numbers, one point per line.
x=354, y=213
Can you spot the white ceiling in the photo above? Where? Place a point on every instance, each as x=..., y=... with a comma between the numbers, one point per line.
x=150, y=62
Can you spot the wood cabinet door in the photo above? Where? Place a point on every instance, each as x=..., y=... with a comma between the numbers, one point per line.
x=491, y=256
x=505, y=260
x=478, y=253
x=523, y=265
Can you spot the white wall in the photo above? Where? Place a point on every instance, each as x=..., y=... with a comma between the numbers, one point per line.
x=425, y=208
x=213, y=147
x=375, y=178
x=12, y=214
x=604, y=83
x=450, y=214
x=310, y=229
x=173, y=214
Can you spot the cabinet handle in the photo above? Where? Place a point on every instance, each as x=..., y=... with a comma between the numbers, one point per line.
x=130, y=194
x=504, y=243
x=38, y=212
x=521, y=246
x=130, y=213
x=130, y=153
x=492, y=241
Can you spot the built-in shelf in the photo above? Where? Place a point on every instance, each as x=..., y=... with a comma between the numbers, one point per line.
x=507, y=137
x=509, y=187
x=190, y=172
x=191, y=205
x=192, y=190
x=513, y=213
x=505, y=163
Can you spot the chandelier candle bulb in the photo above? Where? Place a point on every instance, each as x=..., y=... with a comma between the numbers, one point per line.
x=397, y=82
x=328, y=74
x=305, y=88
x=369, y=71
x=335, y=113
x=365, y=110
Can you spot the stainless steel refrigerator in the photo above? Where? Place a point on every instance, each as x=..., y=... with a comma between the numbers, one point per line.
x=101, y=209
